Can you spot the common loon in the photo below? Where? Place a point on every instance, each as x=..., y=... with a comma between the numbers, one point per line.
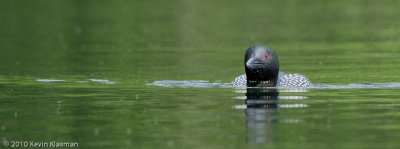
x=262, y=70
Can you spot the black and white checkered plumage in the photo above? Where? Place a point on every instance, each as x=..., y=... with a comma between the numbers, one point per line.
x=284, y=80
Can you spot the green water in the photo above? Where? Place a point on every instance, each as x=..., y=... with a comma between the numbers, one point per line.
x=137, y=42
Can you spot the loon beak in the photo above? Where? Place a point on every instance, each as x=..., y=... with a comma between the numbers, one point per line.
x=253, y=63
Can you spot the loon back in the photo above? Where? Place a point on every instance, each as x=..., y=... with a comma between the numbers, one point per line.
x=284, y=80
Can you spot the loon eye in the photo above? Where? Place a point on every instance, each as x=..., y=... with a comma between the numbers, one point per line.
x=266, y=56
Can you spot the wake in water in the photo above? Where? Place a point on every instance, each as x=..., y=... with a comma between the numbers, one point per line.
x=93, y=80
x=190, y=83
x=358, y=85
x=207, y=84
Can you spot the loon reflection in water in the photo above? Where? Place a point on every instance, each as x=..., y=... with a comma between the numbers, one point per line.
x=261, y=107
x=262, y=104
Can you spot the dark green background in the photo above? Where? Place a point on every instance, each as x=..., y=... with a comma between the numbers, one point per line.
x=332, y=42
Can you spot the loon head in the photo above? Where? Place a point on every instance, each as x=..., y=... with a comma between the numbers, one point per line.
x=262, y=66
